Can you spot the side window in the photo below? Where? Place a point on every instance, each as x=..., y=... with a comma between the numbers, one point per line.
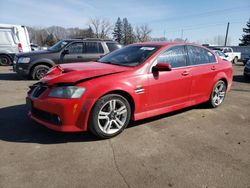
x=93, y=48
x=199, y=55
x=227, y=50
x=175, y=56
x=75, y=48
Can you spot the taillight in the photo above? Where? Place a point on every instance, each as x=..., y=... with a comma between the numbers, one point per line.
x=20, y=48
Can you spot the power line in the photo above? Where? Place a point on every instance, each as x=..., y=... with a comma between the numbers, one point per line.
x=199, y=26
x=204, y=14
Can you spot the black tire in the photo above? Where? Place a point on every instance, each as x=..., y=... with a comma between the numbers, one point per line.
x=5, y=60
x=246, y=77
x=212, y=101
x=94, y=124
x=235, y=60
x=39, y=71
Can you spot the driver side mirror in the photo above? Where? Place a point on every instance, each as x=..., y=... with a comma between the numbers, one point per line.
x=161, y=67
x=65, y=51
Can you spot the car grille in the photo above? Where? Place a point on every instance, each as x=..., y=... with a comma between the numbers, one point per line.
x=46, y=116
x=38, y=91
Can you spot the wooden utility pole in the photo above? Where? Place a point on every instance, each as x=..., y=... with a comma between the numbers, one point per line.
x=226, y=34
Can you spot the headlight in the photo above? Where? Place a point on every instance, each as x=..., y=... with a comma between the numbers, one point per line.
x=24, y=60
x=67, y=92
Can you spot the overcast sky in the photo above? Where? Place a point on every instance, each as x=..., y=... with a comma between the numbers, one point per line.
x=197, y=20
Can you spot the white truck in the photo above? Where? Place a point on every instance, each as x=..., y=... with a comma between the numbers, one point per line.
x=231, y=55
x=13, y=39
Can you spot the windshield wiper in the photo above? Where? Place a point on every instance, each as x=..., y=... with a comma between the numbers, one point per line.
x=111, y=63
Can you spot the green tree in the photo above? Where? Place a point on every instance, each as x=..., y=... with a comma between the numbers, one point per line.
x=125, y=31
x=50, y=40
x=130, y=34
x=246, y=37
x=117, y=33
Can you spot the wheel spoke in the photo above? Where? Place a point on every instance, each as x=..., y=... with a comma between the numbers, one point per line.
x=215, y=98
x=216, y=90
x=107, y=126
x=103, y=115
x=121, y=110
x=112, y=105
x=221, y=87
x=118, y=123
x=221, y=94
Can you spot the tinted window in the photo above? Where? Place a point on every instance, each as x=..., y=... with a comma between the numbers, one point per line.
x=93, y=48
x=75, y=48
x=113, y=46
x=175, y=56
x=199, y=55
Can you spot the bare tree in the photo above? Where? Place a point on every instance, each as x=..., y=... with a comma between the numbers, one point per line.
x=101, y=27
x=142, y=33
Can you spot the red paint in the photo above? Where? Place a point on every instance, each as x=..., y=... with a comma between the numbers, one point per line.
x=163, y=91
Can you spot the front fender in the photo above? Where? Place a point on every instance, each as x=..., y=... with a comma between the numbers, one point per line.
x=41, y=61
x=97, y=89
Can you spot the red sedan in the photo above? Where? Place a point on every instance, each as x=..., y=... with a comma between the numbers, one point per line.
x=135, y=82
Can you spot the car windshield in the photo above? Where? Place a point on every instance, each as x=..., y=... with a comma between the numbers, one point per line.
x=130, y=55
x=220, y=53
x=58, y=46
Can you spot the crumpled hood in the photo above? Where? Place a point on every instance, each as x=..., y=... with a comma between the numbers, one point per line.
x=77, y=72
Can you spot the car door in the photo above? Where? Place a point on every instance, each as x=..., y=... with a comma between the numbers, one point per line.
x=93, y=51
x=73, y=53
x=203, y=67
x=229, y=53
x=170, y=88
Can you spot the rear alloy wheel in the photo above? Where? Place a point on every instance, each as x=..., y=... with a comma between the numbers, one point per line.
x=39, y=71
x=5, y=60
x=110, y=116
x=218, y=94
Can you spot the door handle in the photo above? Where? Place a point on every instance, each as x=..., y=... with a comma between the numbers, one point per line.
x=213, y=68
x=79, y=57
x=185, y=73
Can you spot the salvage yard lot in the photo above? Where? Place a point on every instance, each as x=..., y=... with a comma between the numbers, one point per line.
x=194, y=147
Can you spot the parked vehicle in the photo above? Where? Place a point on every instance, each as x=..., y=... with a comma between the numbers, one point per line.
x=135, y=82
x=232, y=56
x=245, y=52
x=247, y=70
x=13, y=39
x=34, y=47
x=221, y=55
x=37, y=63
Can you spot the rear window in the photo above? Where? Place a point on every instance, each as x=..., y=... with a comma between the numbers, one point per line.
x=199, y=55
x=6, y=37
x=113, y=46
x=93, y=48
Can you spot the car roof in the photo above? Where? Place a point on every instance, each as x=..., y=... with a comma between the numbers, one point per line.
x=162, y=44
x=89, y=40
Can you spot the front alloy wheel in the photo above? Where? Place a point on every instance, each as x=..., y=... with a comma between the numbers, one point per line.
x=110, y=116
x=218, y=94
